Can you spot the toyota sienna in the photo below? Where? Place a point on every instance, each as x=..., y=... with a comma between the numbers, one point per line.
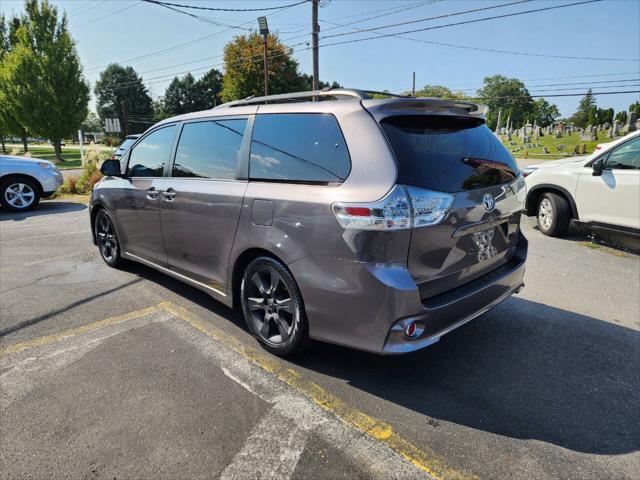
x=378, y=224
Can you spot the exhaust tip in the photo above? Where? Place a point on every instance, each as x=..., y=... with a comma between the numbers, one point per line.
x=519, y=289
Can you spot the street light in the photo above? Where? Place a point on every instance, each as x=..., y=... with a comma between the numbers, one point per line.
x=264, y=31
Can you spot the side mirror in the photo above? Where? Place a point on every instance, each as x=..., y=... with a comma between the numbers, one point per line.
x=110, y=168
x=597, y=168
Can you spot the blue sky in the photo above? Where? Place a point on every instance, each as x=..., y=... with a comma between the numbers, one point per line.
x=119, y=30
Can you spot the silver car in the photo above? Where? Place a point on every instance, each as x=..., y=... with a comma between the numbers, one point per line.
x=376, y=224
x=24, y=181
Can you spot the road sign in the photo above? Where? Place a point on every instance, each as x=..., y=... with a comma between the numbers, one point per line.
x=112, y=125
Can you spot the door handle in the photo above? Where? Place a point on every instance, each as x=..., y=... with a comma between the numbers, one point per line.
x=152, y=193
x=169, y=195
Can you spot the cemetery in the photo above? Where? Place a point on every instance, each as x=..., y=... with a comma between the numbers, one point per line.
x=562, y=140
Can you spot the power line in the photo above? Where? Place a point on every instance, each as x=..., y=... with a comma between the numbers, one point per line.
x=202, y=19
x=574, y=84
x=427, y=19
x=469, y=22
x=225, y=9
x=431, y=42
x=107, y=15
x=184, y=44
x=584, y=75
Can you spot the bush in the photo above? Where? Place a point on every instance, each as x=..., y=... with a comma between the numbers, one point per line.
x=89, y=178
x=93, y=155
x=70, y=187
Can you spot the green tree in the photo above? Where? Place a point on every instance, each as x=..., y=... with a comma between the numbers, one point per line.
x=635, y=107
x=92, y=123
x=508, y=94
x=243, y=67
x=184, y=95
x=438, y=91
x=604, y=115
x=307, y=83
x=120, y=93
x=45, y=88
x=544, y=113
x=209, y=89
x=621, y=117
x=9, y=125
x=180, y=96
x=585, y=110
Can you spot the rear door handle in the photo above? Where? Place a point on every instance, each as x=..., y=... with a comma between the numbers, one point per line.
x=169, y=195
x=152, y=193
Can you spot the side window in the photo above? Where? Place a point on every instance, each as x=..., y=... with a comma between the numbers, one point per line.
x=209, y=149
x=625, y=157
x=148, y=158
x=306, y=147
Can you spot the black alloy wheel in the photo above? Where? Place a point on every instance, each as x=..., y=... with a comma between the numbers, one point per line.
x=107, y=239
x=272, y=306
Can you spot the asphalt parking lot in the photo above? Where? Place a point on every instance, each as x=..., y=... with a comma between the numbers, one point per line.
x=130, y=374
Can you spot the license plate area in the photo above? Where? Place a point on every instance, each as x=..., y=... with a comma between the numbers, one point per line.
x=489, y=242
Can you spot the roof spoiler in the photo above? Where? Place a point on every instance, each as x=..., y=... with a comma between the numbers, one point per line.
x=381, y=109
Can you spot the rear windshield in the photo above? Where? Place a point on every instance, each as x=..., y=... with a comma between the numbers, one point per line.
x=448, y=153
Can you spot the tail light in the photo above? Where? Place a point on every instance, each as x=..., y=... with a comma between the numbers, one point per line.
x=403, y=208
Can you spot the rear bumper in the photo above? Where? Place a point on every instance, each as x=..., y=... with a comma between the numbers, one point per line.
x=366, y=306
x=453, y=309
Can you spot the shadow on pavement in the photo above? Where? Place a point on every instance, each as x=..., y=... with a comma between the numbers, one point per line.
x=524, y=370
x=44, y=208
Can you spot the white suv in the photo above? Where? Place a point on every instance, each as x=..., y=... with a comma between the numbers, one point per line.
x=602, y=190
x=24, y=181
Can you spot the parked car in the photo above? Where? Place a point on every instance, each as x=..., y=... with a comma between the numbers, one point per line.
x=599, y=191
x=124, y=146
x=376, y=224
x=24, y=181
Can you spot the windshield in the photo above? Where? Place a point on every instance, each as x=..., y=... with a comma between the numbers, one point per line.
x=126, y=144
x=447, y=153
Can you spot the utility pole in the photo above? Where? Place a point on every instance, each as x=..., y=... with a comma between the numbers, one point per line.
x=264, y=30
x=315, y=28
x=413, y=89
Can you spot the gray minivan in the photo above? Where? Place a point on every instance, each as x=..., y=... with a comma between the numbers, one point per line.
x=379, y=224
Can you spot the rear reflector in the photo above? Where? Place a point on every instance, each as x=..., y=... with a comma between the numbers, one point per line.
x=358, y=211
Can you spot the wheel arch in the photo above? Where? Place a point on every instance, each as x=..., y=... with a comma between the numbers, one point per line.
x=95, y=209
x=533, y=198
x=17, y=176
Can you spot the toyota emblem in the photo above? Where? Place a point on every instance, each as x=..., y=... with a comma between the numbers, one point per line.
x=488, y=202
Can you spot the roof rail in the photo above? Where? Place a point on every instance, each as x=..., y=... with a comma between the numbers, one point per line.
x=299, y=96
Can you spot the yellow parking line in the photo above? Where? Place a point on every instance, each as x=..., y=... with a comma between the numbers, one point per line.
x=56, y=337
x=424, y=459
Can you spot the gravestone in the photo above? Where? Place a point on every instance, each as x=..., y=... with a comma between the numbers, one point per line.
x=616, y=128
x=631, y=123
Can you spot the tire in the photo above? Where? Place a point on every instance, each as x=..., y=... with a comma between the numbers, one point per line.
x=19, y=194
x=107, y=240
x=266, y=286
x=554, y=214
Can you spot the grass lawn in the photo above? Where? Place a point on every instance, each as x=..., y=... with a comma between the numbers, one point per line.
x=71, y=154
x=552, y=143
